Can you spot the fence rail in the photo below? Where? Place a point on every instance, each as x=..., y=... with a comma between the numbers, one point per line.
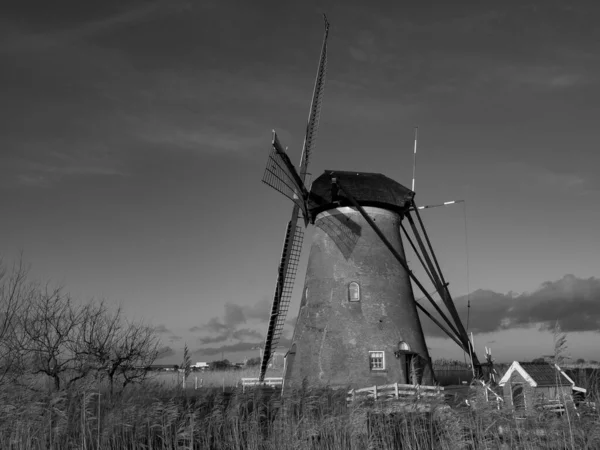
x=396, y=391
x=271, y=382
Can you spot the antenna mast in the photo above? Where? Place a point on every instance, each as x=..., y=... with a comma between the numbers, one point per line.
x=415, y=159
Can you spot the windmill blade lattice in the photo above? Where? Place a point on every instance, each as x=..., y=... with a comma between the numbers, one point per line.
x=290, y=258
x=281, y=175
x=314, y=116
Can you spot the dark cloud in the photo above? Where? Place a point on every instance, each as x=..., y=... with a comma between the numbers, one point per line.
x=259, y=311
x=214, y=325
x=247, y=334
x=572, y=301
x=161, y=329
x=214, y=338
x=227, y=328
x=234, y=315
x=238, y=347
x=166, y=352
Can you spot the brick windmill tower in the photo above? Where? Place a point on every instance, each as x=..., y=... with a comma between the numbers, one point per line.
x=358, y=323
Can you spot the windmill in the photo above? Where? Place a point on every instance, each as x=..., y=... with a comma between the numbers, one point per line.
x=358, y=322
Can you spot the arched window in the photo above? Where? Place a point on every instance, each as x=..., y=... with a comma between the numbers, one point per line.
x=353, y=292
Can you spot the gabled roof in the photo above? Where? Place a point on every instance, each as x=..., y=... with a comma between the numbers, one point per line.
x=538, y=375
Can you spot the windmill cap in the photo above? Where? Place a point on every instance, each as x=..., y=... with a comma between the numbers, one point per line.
x=368, y=189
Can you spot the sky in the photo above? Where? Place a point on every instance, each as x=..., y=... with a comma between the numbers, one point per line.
x=134, y=135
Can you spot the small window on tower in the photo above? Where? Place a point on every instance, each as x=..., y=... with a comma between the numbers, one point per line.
x=353, y=292
x=377, y=360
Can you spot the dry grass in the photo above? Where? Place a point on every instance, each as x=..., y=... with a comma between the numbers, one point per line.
x=160, y=415
x=212, y=379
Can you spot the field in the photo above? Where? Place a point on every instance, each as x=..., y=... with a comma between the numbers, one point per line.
x=159, y=414
x=211, y=379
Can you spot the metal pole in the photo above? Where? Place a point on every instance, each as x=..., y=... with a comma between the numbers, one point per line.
x=415, y=159
x=400, y=260
x=417, y=253
x=447, y=297
x=436, y=279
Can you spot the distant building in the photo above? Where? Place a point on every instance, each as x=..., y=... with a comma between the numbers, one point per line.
x=528, y=386
x=163, y=367
x=200, y=366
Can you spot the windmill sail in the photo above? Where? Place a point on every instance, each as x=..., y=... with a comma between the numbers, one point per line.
x=312, y=125
x=282, y=176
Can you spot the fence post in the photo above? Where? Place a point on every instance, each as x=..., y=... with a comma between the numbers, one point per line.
x=375, y=392
x=396, y=390
x=196, y=382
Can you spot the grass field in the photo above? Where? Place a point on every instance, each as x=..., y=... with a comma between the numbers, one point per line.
x=159, y=414
x=211, y=379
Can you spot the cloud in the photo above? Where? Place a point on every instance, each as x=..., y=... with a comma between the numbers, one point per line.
x=20, y=40
x=247, y=334
x=537, y=76
x=572, y=301
x=237, y=347
x=234, y=315
x=207, y=140
x=539, y=177
x=161, y=329
x=166, y=352
x=227, y=327
x=260, y=310
x=214, y=325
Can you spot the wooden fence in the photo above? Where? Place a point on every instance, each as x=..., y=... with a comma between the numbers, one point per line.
x=397, y=391
x=274, y=382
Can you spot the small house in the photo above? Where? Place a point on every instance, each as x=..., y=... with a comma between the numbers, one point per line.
x=529, y=386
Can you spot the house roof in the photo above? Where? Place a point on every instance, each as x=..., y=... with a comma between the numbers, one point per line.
x=538, y=375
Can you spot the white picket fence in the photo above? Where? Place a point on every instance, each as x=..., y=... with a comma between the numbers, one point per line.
x=397, y=391
x=274, y=382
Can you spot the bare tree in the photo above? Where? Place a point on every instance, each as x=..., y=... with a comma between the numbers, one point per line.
x=48, y=332
x=15, y=293
x=43, y=331
x=137, y=348
x=115, y=348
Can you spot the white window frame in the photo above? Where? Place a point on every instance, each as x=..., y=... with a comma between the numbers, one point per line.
x=371, y=355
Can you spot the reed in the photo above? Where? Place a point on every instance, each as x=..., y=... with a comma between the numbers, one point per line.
x=156, y=415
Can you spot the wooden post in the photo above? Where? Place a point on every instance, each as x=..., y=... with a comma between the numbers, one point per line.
x=98, y=438
x=396, y=390
x=375, y=392
x=196, y=382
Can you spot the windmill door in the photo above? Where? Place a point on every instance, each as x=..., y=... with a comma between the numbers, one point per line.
x=410, y=368
x=518, y=396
